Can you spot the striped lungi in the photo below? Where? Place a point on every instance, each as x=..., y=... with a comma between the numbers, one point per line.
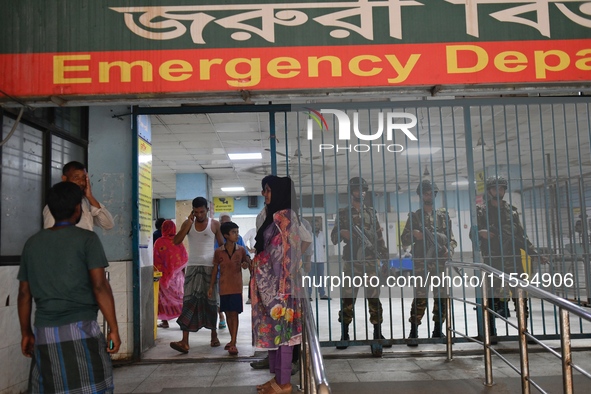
x=199, y=311
x=71, y=359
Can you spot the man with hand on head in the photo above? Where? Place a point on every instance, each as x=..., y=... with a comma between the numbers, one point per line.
x=93, y=212
x=200, y=310
x=63, y=270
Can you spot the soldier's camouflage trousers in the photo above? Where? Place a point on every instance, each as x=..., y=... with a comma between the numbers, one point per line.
x=420, y=302
x=502, y=292
x=349, y=293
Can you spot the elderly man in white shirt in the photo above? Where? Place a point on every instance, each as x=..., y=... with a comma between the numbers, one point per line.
x=93, y=212
x=249, y=239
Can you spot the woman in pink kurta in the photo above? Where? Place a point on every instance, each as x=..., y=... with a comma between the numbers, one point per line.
x=276, y=290
x=170, y=259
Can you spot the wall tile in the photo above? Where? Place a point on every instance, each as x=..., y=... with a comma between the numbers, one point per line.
x=120, y=306
x=9, y=326
x=118, y=276
x=129, y=306
x=8, y=286
x=14, y=367
x=130, y=338
x=16, y=389
x=129, y=268
x=126, y=349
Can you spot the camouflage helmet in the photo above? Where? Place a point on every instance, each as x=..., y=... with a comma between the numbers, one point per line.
x=496, y=181
x=356, y=183
x=427, y=186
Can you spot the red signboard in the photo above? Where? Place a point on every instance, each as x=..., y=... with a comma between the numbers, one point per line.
x=303, y=67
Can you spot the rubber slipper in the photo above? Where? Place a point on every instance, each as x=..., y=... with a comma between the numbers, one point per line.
x=178, y=346
x=162, y=325
x=233, y=351
x=222, y=324
x=228, y=345
x=215, y=343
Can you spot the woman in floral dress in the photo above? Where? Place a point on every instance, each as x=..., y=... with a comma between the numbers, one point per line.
x=276, y=290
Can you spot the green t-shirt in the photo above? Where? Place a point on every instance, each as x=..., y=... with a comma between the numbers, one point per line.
x=56, y=264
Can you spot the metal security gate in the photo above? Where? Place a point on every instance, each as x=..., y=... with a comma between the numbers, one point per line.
x=541, y=146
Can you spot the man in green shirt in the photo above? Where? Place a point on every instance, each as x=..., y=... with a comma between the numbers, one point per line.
x=63, y=269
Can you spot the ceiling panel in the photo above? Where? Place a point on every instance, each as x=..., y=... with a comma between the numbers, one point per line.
x=189, y=143
x=159, y=146
x=174, y=120
x=206, y=139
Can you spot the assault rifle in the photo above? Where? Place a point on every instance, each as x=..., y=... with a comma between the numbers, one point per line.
x=431, y=252
x=510, y=239
x=368, y=244
x=441, y=246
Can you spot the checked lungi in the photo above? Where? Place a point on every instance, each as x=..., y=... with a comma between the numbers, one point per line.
x=199, y=311
x=71, y=359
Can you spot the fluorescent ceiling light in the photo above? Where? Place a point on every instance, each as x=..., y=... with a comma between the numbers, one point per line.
x=244, y=156
x=462, y=182
x=233, y=189
x=421, y=151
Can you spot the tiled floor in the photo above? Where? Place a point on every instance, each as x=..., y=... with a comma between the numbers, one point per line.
x=423, y=369
x=199, y=342
x=429, y=374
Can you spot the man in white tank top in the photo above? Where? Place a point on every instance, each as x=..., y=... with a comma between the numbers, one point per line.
x=199, y=311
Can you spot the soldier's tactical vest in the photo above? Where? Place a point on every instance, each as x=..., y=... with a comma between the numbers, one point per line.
x=358, y=248
x=441, y=217
x=503, y=244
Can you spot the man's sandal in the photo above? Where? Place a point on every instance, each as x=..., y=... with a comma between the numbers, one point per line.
x=274, y=388
x=266, y=384
x=179, y=347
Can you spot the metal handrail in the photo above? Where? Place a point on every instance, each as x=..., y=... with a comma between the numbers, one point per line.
x=565, y=307
x=560, y=302
x=312, y=376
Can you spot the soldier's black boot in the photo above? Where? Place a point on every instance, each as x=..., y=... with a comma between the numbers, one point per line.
x=508, y=312
x=493, y=331
x=502, y=308
x=344, y=336
x=437, y=333
x=529, y=340
x=412, y=335
x=377, y=333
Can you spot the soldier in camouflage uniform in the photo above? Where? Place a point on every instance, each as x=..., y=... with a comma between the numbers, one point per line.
x=428, y=258
x=501, y=238
x=580, y=228
x=359, y=258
